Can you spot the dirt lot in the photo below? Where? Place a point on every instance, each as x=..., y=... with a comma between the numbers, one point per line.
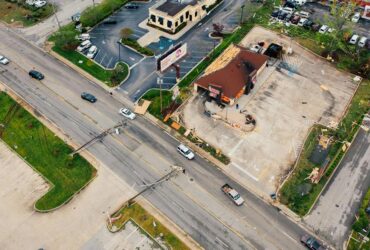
x=285, y=105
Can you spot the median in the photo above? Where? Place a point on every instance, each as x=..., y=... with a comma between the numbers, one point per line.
x=45, y=152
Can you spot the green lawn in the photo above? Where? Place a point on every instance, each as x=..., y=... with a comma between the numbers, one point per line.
x=145, y=221
x=43, y=150
x=155, y=107
x=106, y=76
x=26, y=16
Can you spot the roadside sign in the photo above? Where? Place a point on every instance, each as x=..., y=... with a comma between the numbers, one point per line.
x=171, y=56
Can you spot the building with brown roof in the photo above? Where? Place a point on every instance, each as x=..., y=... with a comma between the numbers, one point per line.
x=232, y=74
x=173, y=15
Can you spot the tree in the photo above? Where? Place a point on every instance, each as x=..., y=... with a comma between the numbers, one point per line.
x=118, y=74
x=66, y=40
x=338, y=21
x=126, y=33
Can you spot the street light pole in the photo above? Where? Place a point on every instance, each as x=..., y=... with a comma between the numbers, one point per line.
x=119, y=51
x=241, y=16
x=55, y=14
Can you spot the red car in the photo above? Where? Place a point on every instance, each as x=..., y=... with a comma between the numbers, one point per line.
x=295, y=19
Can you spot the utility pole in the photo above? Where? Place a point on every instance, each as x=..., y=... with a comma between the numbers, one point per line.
x=160, y=81
x=55, y=14
x=99, y=137
x=241, y=16
x=175, y=170
x=119, y=51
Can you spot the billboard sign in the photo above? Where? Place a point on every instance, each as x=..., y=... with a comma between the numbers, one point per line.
x=171, y=56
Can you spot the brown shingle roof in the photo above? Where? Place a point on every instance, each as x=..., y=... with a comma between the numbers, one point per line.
x=233, y=76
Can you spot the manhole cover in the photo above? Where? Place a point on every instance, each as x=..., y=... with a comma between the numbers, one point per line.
x=191, y=179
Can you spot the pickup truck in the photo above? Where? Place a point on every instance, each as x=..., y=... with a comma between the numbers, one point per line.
x=232, y=194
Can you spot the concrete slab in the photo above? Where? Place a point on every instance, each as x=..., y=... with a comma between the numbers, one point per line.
x=285, y=105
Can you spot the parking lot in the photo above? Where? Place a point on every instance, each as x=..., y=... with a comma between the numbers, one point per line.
x=320, y=14
x=285, y=105
x=144, y=77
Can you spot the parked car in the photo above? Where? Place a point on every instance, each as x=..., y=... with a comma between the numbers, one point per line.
x=88, y=97
x=131, y=6
x=362, y=41
x=84, y=37
x=323, y=29
x=275, y=13
x=39, y=4
x=315, y=27
x=290, y=4
x=312, y=243
x=35, y=74
x=127, y=113
x=4, y=60
x=185, y=151
x=295, y=20
x=288, y=10
x=110, y=21
x=356, y=17
x=302, y=21
x=256, y=48
x=304, y=14
x=92, y=52
x=354, y=39
x=84, y=45
x=308, y=24
x=288, y=17
x=282, y=15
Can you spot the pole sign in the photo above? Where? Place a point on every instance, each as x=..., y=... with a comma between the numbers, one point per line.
x=171, y=56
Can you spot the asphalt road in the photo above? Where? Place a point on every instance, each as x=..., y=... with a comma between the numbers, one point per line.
x=334, y=213
x=143, y=153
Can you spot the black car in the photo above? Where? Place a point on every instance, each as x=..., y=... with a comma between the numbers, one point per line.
x=131, y=6
x=312, y=243
x=282, y=15
x=37, y=75
x=88, y=97
x=275, y=13
x=308, y=24
x=290, y=4
x=288, y=17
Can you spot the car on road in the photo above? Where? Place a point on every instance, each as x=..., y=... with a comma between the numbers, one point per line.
x=356, y=17
x=88, y=97
x=311, y=243
x=92, y=52
x=84, y=45
x=36, y=74
x=4, y=60
x=127, y=113
x=131, y=6
x=232, y=194
x=185, y=151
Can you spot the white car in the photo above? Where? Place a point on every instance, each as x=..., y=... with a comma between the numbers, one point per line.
x=323, y=29
x=4, y=60
x=127, y=113
x=302, y=21
x=185, y=151
x=84, y=45
x=30, y=2
x=83, y=37
x=92, y=52
x=356, y=17
x=39, y=4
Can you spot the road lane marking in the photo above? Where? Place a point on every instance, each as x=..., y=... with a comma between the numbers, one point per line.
x=244, y=171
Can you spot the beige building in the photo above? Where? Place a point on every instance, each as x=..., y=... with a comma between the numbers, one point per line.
x=172, y=15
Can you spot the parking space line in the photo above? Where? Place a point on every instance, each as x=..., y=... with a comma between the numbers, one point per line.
x=135, y=35
x=139, y=31
x=102, y=58
x=109, y=62
x=97, y=53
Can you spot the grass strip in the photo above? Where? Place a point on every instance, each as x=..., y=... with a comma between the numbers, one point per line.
x=45, y=152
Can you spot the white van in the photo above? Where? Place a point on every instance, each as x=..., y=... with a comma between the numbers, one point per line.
x=354, y=39
x=288, y=10
x=362, y=42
